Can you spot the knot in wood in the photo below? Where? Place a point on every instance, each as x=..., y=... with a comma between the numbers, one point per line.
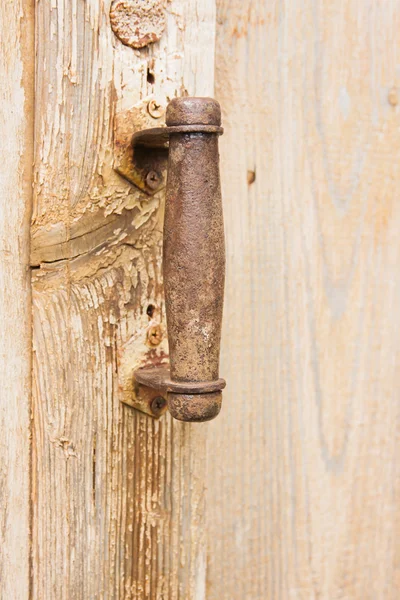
x=137, y=23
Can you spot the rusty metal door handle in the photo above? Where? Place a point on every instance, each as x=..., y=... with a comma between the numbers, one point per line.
x=193, y=259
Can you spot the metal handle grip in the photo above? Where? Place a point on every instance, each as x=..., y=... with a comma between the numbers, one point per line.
x=194, y=255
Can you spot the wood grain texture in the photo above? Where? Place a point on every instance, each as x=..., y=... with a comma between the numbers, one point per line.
x=16, y=131
x=118, y=498
x=304, y=469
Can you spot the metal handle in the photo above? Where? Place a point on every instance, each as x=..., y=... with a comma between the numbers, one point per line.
x=193, y=261
x=194, y=256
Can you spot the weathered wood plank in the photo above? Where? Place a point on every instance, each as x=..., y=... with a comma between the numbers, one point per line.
x=16, y=156
x=304, y=481
x=118, y=497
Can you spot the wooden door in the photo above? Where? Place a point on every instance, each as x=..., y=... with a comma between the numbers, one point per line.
x=304, y=481
x=293, y=491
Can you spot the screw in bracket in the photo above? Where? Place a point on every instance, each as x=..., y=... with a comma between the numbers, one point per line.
x=157, y=405
x=153, y=180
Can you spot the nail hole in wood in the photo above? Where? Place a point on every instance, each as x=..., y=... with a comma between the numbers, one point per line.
x=150, y=310
x=150, y=77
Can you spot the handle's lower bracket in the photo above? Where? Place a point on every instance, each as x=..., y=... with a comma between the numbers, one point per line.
x=158, y=378
x=152, y=384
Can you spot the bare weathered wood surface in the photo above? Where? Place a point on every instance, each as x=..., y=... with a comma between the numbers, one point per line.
x=16, y=151
x=304, y=461
x=117, y=497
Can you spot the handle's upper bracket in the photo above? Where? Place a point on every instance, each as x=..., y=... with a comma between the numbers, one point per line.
x=141, y=156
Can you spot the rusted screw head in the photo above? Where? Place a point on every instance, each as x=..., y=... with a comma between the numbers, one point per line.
x=155, y=109
x=152, y=180
x=154, y=335
x=138, y=23
x=158, y=405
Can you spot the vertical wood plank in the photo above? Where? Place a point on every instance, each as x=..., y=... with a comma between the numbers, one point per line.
x=118, y=497
x=304, y=476
x=16, y=152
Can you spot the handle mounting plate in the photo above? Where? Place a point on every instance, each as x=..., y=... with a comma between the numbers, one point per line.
x=144, y=168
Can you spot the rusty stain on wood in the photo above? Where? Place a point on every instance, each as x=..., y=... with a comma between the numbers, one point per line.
x=251, y=176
